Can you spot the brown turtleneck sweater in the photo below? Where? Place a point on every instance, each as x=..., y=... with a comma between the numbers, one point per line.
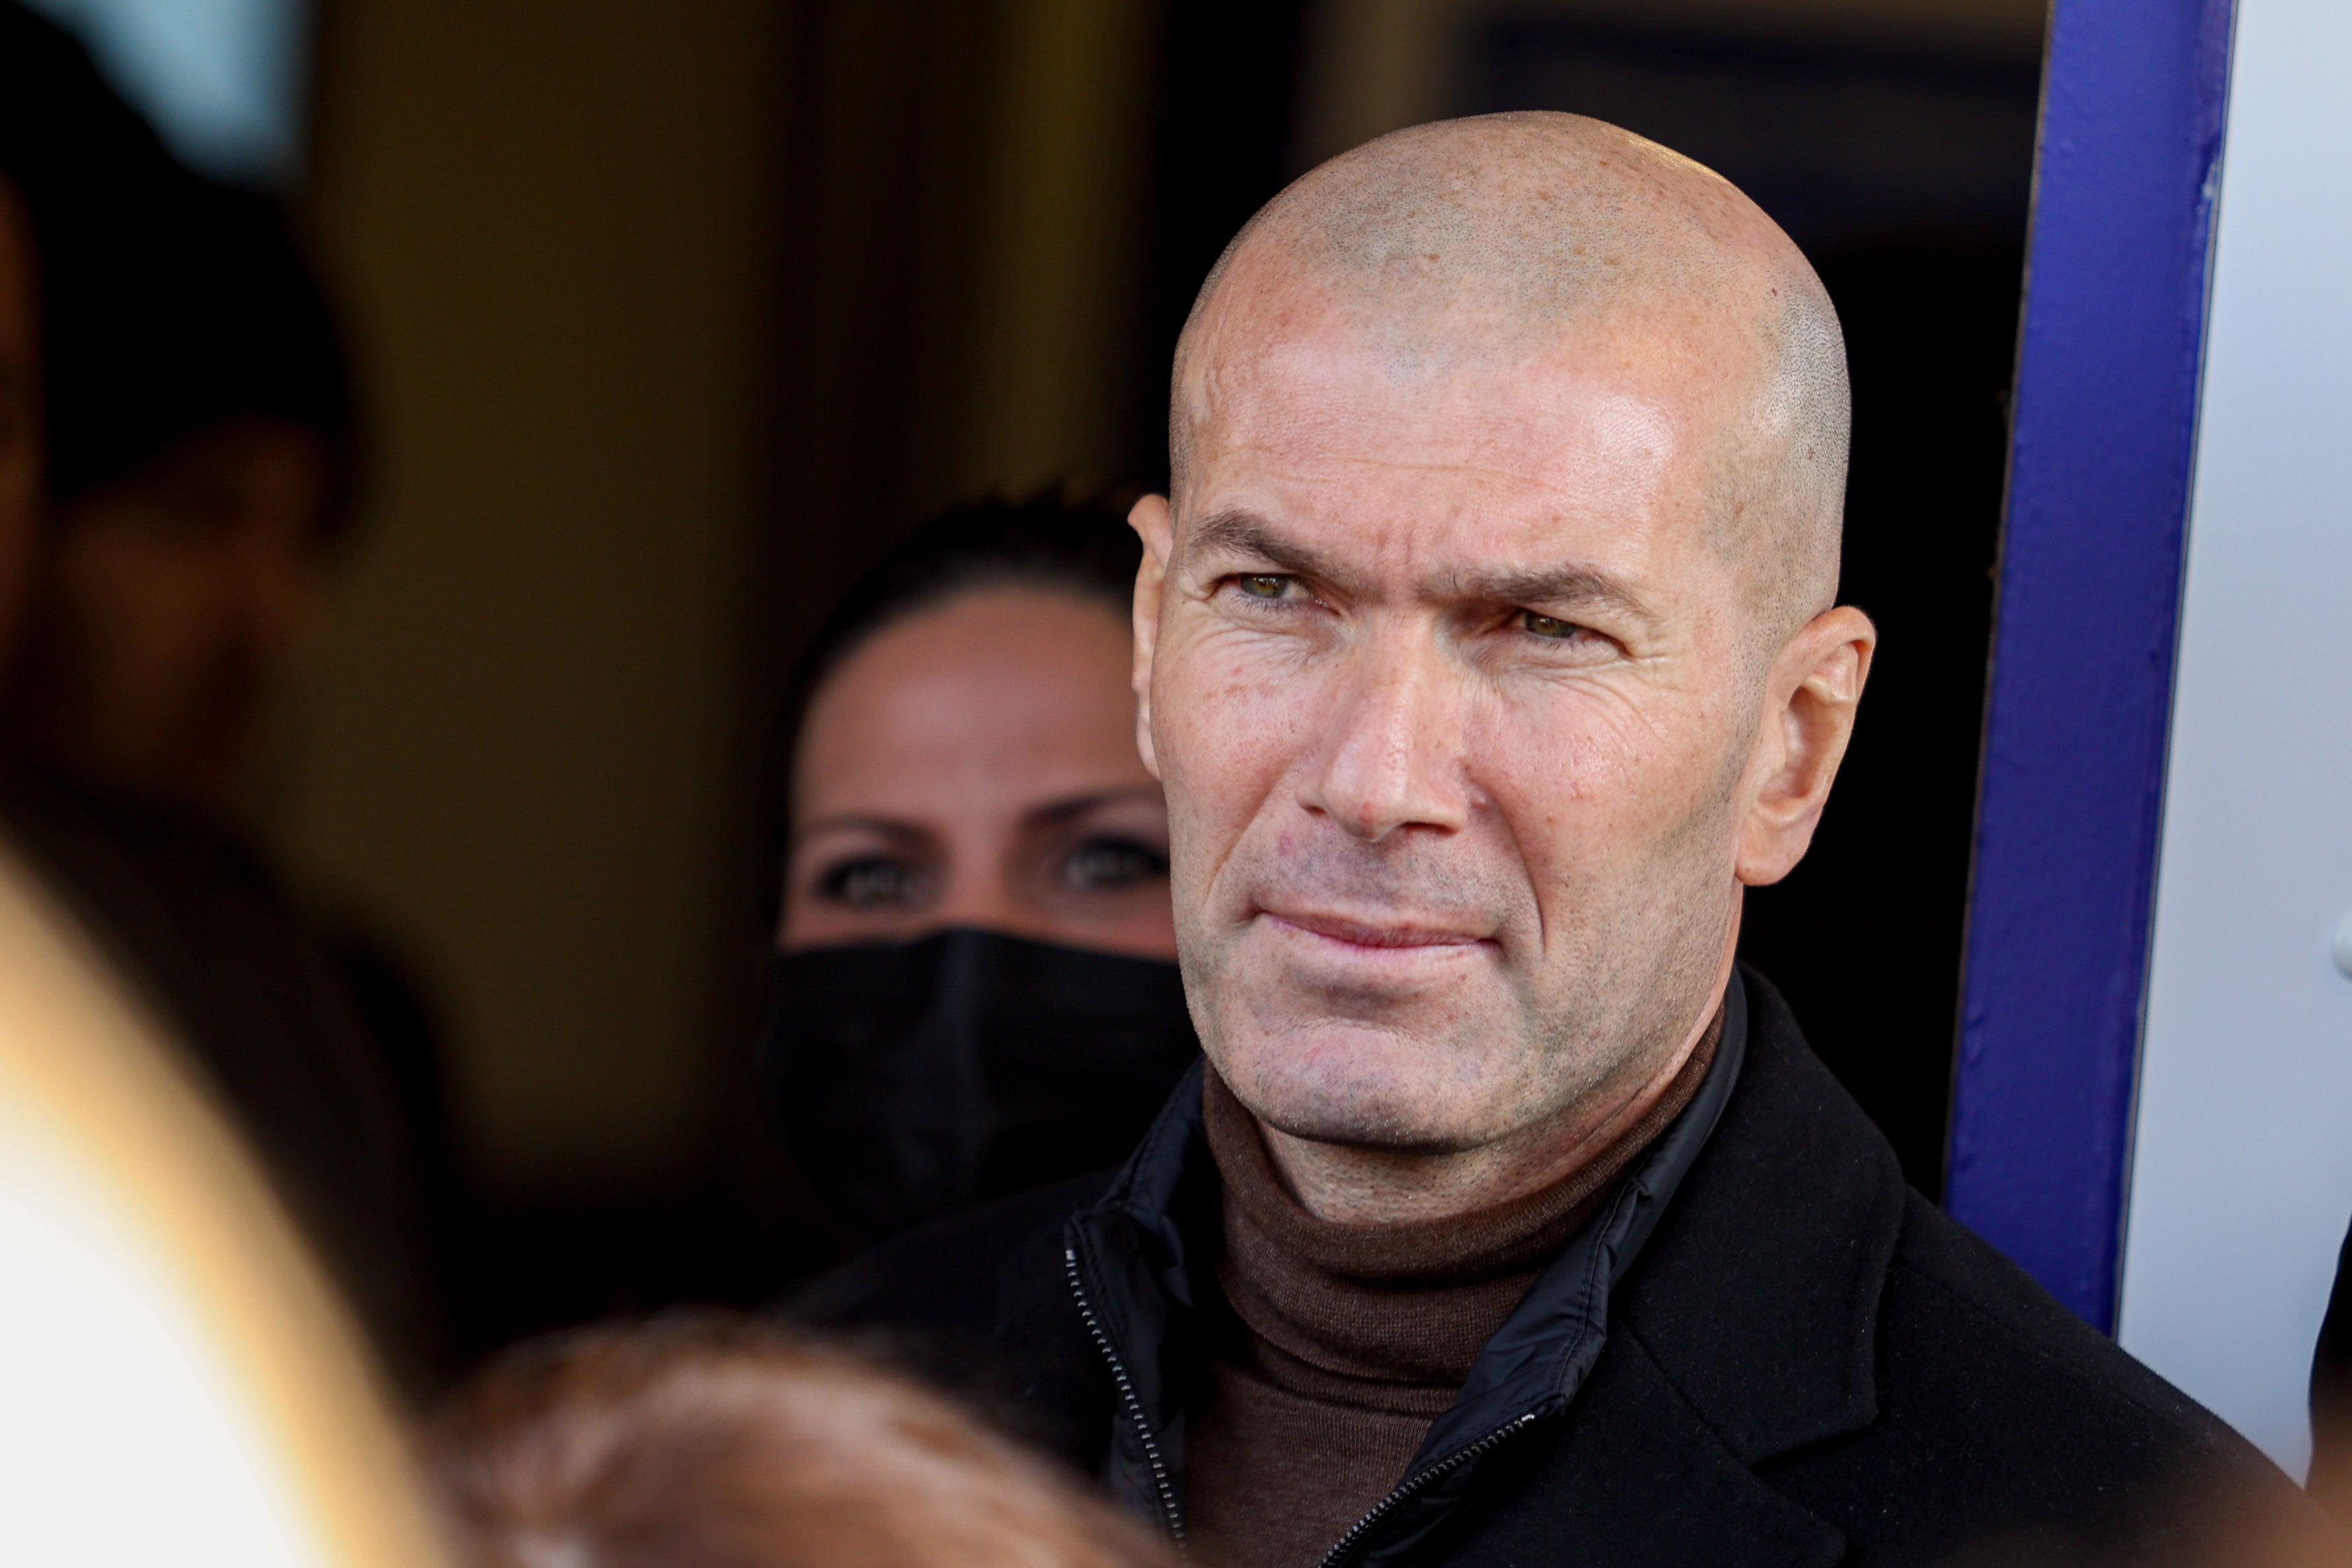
x=1350, y=1339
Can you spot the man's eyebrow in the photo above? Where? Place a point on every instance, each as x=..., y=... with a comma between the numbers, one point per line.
x=1566, y=587
x=1248, y=534
x=1563, y=587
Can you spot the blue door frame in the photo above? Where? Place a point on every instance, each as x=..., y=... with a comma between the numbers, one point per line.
x=2079, y=703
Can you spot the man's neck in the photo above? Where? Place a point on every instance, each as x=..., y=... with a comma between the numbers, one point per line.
x=1351, y=1185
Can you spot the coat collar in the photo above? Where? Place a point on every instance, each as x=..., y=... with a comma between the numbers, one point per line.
x=1545, y=1349
x=1134, y=1251
x=1743, y=1281
x=1758, y=1297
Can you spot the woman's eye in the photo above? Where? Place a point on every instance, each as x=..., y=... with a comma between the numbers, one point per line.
x=1111, y=865
x=872, y=881
x=1550, y=626
x=1268, y=586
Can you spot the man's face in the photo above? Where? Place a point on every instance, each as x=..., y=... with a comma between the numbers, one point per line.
x=1455, y=703
x=174, y=601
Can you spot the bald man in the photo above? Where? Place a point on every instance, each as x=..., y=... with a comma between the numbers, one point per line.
x=1487, y=647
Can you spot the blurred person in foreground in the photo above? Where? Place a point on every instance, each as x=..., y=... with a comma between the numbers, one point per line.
x=178, y=1382
x=975, y=990
x=194, y=428
x=1488, y=646
x=704, y=1442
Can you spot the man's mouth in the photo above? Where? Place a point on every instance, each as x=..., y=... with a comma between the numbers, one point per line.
x=1385, y=933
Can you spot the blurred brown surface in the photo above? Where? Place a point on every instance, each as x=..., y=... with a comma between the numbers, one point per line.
x=548, y=223
x=666, y=319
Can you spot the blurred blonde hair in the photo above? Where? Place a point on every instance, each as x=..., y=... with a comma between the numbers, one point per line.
x=713, y=1441
x=183, y=1383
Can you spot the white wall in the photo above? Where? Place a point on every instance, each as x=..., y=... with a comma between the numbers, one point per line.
x=2241, y=1172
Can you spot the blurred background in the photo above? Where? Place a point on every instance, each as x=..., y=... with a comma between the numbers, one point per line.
x=666, y=318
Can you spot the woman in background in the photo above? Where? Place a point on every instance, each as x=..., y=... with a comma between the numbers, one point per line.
x=975, y=991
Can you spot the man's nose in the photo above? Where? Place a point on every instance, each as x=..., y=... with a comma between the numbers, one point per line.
x=1391, y=753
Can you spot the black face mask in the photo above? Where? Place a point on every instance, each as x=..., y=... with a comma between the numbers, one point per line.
x=915, y=1079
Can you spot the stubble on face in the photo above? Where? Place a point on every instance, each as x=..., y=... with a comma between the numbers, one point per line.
x=1540, y=899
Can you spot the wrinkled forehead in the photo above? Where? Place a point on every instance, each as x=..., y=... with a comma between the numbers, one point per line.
x=1625, y=408
x=1280, y=338
x=1452, y=486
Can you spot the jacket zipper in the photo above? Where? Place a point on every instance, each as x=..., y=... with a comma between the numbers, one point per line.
x=1419, y=1480
x=1170, y=1515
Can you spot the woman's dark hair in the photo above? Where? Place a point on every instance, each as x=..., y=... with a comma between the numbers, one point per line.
x=167, y=301
x=1057, y=541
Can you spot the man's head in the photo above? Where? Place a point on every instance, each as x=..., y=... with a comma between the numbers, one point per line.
x=77, y=170
x=1485, y=645
x=197, y=446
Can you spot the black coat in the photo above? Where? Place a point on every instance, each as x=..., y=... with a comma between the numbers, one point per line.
x=1802, y=1362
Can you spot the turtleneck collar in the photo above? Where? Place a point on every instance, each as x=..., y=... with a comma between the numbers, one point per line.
x=1391, y=1317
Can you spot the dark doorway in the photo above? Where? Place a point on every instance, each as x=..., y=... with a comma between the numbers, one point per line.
x=1907, y=176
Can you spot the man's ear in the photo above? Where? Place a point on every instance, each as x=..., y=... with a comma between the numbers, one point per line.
x=1810, y=698
x=1155, y=524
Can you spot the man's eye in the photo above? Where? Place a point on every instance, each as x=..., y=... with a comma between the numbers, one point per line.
x=873, y=882
x=1111, y=865
x=1550, y=626
x=1266, y=585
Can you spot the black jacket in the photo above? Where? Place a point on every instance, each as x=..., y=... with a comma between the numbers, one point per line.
x=1765, y=1349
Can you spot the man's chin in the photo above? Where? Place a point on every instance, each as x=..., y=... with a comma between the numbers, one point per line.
x=1360, y=1095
